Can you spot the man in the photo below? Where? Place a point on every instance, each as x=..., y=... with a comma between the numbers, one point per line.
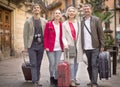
x=92, y=41
x=33, y=42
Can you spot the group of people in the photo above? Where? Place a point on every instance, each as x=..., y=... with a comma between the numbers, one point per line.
x=55, y=36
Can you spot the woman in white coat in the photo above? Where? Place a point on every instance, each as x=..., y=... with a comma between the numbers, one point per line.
x=72, y=36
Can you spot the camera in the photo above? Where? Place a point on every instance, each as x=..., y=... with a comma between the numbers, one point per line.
x=38, y=38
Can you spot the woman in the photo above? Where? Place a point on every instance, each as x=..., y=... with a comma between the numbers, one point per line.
x=53, y=44
x=72, y=37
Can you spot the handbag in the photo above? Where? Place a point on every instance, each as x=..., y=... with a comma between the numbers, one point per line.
x=72, y=51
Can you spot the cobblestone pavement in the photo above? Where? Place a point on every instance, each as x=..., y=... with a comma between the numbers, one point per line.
x=11, y=75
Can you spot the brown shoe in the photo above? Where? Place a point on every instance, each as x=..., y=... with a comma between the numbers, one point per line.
x=73, y=83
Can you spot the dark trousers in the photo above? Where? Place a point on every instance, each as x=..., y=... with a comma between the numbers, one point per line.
x=35, y=57
x=92, y=57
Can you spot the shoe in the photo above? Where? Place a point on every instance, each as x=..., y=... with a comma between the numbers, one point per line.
x=94, y=85
x=72, y=84
x=39, y=85
x=55, y=82
x=77, y=82
x=89, y=83
x=35, y=85
x=52, y=80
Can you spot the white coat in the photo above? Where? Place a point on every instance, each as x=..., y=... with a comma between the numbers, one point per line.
x=68, y=40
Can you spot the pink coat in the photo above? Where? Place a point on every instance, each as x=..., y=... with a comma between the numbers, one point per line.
x=49, y=36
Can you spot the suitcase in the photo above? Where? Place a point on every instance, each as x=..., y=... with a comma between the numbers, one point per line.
x=26, y=67
x=63, y=74
x=104, y=65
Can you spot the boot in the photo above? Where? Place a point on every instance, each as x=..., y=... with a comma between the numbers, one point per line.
x=51, y=80
x=56, y=82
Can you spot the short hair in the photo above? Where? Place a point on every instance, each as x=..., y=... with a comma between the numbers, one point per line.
x=71, y=7
x=35, y=5
x=87, y=5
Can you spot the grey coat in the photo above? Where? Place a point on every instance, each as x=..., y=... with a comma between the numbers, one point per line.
x=28, y=32
x=96, y=31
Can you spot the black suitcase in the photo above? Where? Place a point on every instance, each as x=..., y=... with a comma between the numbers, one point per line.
x=26, y=67
x=104, y=65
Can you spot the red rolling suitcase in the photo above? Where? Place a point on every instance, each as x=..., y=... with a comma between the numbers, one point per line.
x=26, y=67
x=63, y=74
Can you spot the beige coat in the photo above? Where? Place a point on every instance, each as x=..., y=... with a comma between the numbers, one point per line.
x=67, y=40
x=28, y=32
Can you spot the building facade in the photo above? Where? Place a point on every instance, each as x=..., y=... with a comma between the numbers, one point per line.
x=13, y=14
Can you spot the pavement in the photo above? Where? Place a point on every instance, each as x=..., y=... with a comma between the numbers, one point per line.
x=11, y=74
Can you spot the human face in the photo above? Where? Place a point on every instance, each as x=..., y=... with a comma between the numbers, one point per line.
x=71, y=13
x=87, y=10
x=36, y=9
x=57, y=15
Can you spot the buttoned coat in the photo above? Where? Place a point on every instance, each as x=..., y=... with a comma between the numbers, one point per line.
x=96, y=32
x=29, y=30
x=68, y=40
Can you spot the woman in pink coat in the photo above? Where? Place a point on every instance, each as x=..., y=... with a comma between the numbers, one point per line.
x=53, y=44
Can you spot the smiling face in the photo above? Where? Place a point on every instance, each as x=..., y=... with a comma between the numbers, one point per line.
x=57, y=15
x=87, y=10
x=71, y=12
x=36, y=9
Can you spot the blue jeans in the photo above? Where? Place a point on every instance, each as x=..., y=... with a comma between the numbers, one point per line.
x=74, y=68
x=35, y=57
x=54, y=58
x=92, y=57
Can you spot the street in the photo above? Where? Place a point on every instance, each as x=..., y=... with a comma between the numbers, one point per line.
x=11, y=75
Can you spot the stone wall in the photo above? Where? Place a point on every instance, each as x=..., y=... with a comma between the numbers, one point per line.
x=20, y=18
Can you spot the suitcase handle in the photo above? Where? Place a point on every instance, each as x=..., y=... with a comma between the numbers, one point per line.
x=24, y=54
x=66, y=54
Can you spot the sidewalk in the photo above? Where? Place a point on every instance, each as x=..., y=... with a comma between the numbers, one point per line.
x=11, y=75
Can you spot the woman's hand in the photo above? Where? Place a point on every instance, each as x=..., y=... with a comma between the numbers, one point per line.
x=47, y=49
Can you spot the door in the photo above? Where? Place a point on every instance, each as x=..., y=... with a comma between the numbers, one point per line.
x=5, y=29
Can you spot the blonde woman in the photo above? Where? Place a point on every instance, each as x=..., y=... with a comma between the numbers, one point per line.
x=71, y=36
x=53, y=44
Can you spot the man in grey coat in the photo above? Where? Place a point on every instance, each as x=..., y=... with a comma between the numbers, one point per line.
x=92, y=41
x=33, y=42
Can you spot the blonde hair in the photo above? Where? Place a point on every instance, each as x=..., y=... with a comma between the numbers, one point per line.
x=53, y=14
x=56, y=11
x=67, y=12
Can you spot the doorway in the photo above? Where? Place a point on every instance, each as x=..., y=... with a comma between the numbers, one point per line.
x=5, y=29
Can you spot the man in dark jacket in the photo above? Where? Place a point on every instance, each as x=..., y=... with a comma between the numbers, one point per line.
x=92, y=41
